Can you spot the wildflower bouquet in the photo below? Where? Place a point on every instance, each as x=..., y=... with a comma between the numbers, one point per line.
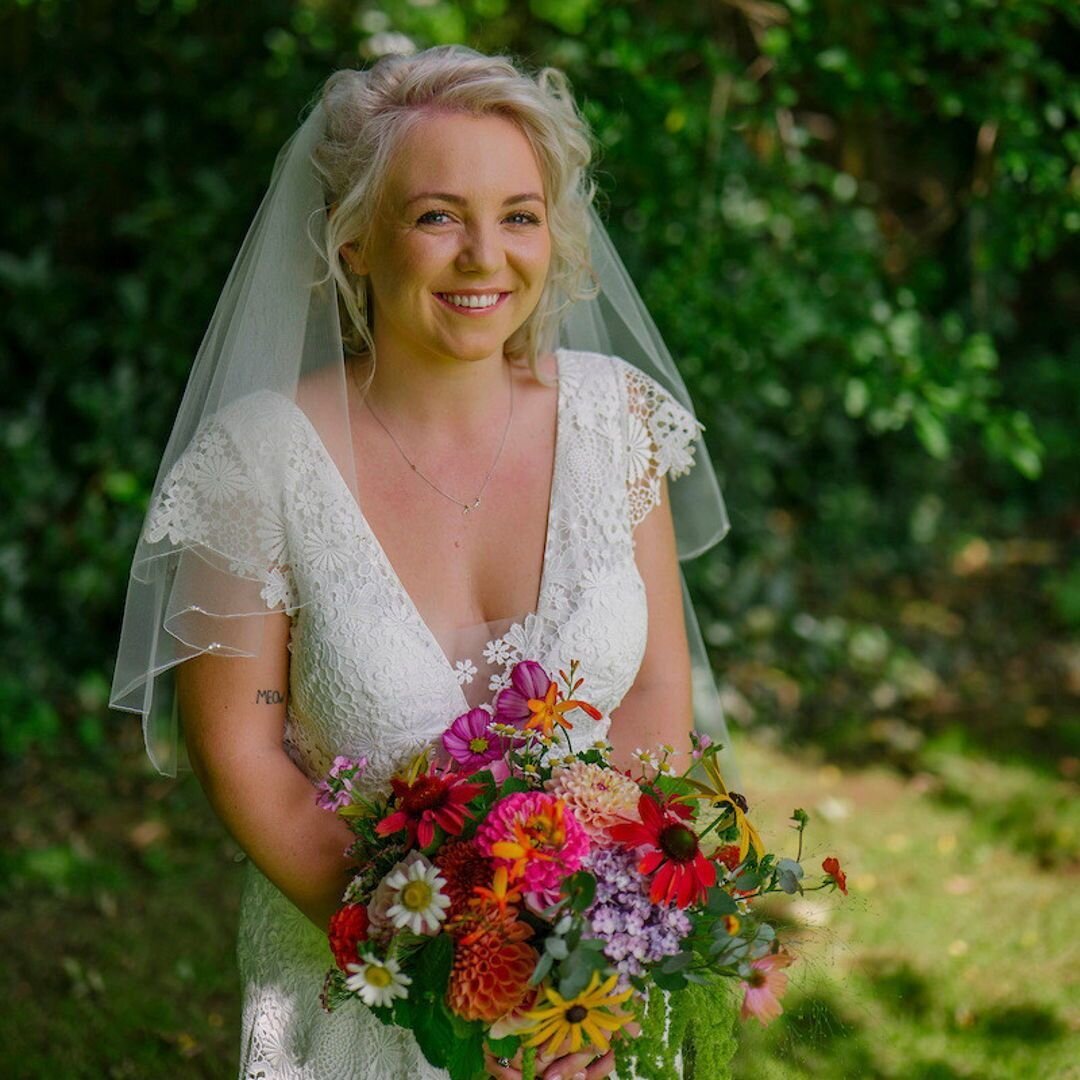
x=513, y=895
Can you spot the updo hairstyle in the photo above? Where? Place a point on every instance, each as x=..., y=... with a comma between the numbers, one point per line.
x=369, y=113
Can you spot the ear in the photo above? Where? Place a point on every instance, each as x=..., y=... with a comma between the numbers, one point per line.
x=351, y=255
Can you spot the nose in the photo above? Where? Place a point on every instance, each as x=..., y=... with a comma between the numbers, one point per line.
x=481, y=249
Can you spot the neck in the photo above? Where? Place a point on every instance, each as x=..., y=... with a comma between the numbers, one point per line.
x=458, y=399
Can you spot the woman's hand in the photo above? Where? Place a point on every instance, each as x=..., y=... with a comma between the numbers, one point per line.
x=584, y=1065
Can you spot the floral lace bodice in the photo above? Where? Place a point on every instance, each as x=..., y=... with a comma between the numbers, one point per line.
x=367, y=676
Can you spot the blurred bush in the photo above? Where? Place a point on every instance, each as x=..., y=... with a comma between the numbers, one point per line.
x=852, y=223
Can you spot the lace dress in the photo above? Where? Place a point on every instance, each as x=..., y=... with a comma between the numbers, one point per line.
x=368, y=677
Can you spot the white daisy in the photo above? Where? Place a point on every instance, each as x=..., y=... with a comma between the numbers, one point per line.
x=417, y=902
x=377, y=981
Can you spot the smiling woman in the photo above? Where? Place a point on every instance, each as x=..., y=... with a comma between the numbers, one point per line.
x=425, y=310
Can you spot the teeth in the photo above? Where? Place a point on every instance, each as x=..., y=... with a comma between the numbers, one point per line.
x=471, y=301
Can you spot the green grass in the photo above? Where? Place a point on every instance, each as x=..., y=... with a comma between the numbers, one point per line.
x=953, y=955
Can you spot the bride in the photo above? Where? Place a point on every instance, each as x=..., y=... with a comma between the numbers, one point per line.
x=387, y=484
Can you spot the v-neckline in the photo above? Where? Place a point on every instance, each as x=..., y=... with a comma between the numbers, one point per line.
x=395, y=580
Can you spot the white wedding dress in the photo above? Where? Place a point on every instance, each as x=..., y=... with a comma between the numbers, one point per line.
x=368, y=677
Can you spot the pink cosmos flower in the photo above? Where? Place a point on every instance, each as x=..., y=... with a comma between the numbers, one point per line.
x=528, y=681
x=533, y=701
x=537, y=838
x=765, y=985
x=469, y=742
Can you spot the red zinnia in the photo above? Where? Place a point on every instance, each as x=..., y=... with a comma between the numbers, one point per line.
x=831, y=866
x=433, y=798
x=348, y=927
x=682, y=871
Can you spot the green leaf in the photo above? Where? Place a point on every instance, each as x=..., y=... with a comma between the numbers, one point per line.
x=514, y=784
x=465, y=1054
x=789, y=872
x=543, y=966
x=556, y=948
x=505, y=1047
x=719, y=902
x=747, y=881
x=674, y=981
x=580, y=890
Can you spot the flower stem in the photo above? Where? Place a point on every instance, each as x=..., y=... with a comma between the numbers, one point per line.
x=528, y=1063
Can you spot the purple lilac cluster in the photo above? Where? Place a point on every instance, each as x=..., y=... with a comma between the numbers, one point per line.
x=637, y=932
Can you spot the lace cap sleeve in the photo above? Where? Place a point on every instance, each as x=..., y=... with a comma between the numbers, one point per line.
x=222, y=497
x=660, y=438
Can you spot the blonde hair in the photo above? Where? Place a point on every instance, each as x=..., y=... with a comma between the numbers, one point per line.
x=369, y=113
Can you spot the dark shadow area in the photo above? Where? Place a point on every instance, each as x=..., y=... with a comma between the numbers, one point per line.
x=1023, y=1023
x=898, y=986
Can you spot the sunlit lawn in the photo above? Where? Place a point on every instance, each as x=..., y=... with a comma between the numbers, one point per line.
x=953, y=955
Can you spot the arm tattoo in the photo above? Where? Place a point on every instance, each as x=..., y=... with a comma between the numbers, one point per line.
x=269, y=697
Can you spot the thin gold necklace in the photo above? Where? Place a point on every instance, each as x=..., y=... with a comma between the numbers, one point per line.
x=465, y=507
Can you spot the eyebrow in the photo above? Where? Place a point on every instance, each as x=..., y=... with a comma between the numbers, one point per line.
x=528, y=196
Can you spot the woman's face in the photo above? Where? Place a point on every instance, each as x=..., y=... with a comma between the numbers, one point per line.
x=463, y=215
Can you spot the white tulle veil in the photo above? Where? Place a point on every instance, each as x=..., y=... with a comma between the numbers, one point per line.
x=276, y=321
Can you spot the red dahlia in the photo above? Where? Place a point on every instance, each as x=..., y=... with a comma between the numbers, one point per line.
x=464, y=868
x=682, y=873
x=348, y=927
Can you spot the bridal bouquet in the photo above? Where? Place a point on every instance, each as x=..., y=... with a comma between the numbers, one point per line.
x=514, y=892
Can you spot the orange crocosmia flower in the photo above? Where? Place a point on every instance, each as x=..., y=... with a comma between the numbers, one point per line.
x=500, y=896
x=540, y=837
x=548, y=711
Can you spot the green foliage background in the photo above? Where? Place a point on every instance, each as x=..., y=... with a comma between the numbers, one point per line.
x=855, y=225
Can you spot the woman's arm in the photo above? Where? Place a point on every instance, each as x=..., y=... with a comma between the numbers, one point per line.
x=233, y=715
x=658, y=708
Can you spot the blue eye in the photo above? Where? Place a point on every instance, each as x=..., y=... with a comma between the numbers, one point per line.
x=422, y=219
x=426, y=218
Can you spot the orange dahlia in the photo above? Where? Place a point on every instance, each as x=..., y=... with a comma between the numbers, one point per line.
x=464, y=868
x=491, y=971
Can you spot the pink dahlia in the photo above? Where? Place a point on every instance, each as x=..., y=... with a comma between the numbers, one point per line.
x=537, y=838
x=598, y=797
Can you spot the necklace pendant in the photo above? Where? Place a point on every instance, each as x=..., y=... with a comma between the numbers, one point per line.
x=466, y=509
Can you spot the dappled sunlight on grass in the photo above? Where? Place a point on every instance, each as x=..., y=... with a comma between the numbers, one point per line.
x=953, y=954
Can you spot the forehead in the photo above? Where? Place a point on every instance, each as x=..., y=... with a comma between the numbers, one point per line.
x=474, y=156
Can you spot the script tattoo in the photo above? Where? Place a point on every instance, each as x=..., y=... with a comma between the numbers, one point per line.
x=269, y=697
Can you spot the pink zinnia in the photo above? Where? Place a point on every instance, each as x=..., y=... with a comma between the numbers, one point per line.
x=469, y=742
x=765, y=986
x=537, y=838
